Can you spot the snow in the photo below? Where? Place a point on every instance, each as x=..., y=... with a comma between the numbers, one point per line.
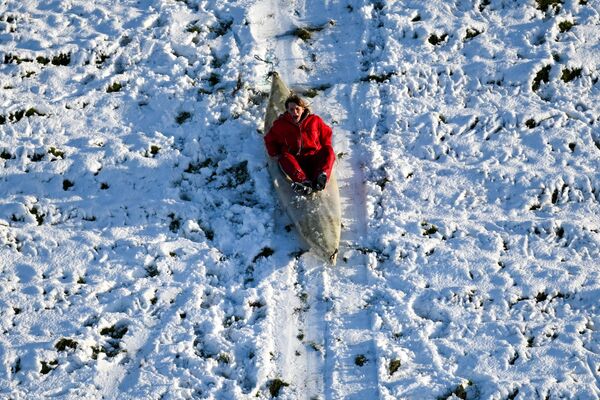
x=143, y=253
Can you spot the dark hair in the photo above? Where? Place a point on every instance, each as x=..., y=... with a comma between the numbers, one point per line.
x=294, y=98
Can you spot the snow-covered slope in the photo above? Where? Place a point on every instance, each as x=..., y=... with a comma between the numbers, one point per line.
x=143, y=253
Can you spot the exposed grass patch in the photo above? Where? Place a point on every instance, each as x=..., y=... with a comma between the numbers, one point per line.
x=472, y=33
x=6, y=155
x=63, y=343
x=530, y=123
x=237, y=174
x=437, y=40
x=459, y=391
x=543, y=75
x=360, y=360
x=214, y=79
x=67, y=184
x=56, y=153
x=39, y=217
x=394, y=366
x=101, y=58
x=48, y=366
x=152, y=271
x=175, y=223
x=63, y=59
x=565, y=26
x=12, y=58
x=428, y=229
x=154, y=149
x=115, y=87
x=222, y=27
x=306, y=33
x=570, y=74
x=42, y=60
x=313, y=92
x=194, y=168
x=117, y=331
x=266, y=252
x=545, y=4
x=18, y=115
x=275, y=386
x=182, y=117
x=378, y=78
x=192, y=28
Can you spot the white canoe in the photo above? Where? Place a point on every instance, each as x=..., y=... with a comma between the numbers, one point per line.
x=316, y=216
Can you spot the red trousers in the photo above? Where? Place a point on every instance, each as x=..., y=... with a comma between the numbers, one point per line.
x=306, y=167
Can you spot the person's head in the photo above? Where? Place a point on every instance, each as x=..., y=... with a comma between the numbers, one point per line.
x=295, y=106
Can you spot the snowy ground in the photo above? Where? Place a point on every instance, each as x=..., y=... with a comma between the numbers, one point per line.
x=143, y=253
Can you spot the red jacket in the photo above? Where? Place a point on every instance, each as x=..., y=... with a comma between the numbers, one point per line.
x=306, y=137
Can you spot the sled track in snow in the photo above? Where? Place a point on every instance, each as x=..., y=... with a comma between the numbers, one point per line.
x=325, y=348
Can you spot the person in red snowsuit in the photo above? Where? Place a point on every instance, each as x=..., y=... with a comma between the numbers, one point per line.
x=301, y=142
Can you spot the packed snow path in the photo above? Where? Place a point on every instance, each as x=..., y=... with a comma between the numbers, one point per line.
x=139, y=254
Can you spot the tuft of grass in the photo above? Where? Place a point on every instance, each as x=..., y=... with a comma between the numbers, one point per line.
x=67, y=184
x=42, y=60
x=193, y=29
x=394, y=366
x=115, y=87
x=48, y=366
x=63, y=343
x=214, y=79
x=565, y=26
x=543, y=75
x=63, y=59
x=39, y=217
x=275, y=386
x=429, y=229
x=306, y=33
x=12, y=58
x=471, y=33
x=194, y=168
x=360, y=360
x=32, y=111
x=56, y=153
x=313, y=92
x=6, y=155
x=459, y=391
x=101, y=58
x=570, y=74
x=152, y=271
x=175, y=223
x=222, y=28
x=541, y=296
x=378, y=78
x=543, y=5
x=182, y=117
x=117, y=331
x=266, y=252
x=237, y=174
x=530, y=123
x=436, y=40
x=302, y=33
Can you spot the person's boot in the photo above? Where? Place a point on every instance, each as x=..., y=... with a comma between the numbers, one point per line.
x=321, y=181
x=303, y=188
